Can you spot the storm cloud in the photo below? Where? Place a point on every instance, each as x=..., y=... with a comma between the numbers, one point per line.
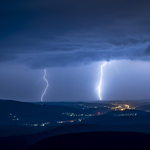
x=43, y=34
x=147, y=51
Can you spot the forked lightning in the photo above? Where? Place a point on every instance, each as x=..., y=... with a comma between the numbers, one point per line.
x=101, y=79
x=46, y=85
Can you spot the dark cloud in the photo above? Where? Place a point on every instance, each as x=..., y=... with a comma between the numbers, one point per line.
x=59, y=33
x=7, y=57
x=147, y=51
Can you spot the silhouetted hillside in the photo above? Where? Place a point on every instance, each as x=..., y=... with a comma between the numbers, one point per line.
x=10, y=111
x=27, y=140
x=13, y=145
x=79, y=104
x=1, y=100
x=14, y=115
x=144, y=108
x=120, y=117
x=14, y=112
x=94, y=141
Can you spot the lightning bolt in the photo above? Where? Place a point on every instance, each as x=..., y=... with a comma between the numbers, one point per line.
x=101, y=79
x=46, y=85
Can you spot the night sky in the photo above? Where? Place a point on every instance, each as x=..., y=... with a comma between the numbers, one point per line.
x=71, y=39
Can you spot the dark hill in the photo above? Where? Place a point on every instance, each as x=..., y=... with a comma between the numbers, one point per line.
x=32, y=113
x=95, y=140
x=67, y=129
x=120, y=117
x=144, y=108
x=14, y=112
x=22, y=141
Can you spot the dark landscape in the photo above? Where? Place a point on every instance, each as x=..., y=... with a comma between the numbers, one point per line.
x=84, y=124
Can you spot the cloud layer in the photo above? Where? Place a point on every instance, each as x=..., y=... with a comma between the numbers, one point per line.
x=44, y=34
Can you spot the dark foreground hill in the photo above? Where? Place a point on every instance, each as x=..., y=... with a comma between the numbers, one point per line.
x=95, y=140
x=20, y=142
